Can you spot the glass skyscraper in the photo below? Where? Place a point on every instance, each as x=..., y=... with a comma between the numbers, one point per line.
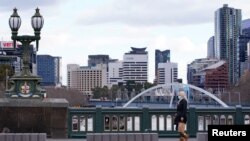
x=49, y=68
x=210, y=47
x=227, y=31
x=161, y=57
x=242, y=47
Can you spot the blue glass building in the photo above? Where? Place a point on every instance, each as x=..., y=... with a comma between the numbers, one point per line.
x=49, y=68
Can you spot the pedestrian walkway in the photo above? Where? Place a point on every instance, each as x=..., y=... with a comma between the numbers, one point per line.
x=160, y=139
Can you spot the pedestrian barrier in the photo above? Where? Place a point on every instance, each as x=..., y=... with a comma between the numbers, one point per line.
x=122, y=137
x=23, y=137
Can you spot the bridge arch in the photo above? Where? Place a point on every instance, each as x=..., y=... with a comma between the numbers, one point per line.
x=176, y=84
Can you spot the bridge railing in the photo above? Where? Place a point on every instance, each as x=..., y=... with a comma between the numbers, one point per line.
x=100, y=120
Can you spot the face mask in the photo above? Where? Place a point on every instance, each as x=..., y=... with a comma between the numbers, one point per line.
x=179, y=97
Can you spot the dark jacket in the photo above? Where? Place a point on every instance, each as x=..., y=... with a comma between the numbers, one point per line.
x=181, y=111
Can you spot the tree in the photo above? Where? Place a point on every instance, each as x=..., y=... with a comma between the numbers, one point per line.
x=148, y=85
x=239, y=92
x=96, y=92
x=99, y=93
x=130, y=85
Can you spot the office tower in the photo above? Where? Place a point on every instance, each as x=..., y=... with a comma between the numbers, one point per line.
x=167, y=73
x=242, y=50
x=135, y=65
x=93, y=60
x=210, y=48
x=115, y=73
x=227, y=31
x=85, y=78
x=161, y=57
x=49, y=68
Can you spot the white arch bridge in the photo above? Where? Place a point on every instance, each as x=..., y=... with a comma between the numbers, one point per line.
x=170, y=90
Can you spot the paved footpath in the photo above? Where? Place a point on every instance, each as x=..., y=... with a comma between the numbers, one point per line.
x=160, y=139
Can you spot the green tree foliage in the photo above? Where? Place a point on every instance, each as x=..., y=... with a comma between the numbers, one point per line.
x=130, y=85
x=100, y=93
x=112, y=93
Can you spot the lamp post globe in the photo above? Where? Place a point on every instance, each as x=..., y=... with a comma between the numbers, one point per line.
x=14, y=21
x=37, y=21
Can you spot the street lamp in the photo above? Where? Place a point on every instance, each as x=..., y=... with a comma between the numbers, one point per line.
x=25, y=84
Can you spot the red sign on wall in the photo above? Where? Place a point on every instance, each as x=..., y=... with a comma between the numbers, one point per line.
x=6, y=44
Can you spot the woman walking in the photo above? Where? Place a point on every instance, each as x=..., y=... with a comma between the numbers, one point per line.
x=181, y=116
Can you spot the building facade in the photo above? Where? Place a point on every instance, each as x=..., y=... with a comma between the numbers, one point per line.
x=49, y=68
x=213, y=77
x=216, y=76
x=93, y=60
x=115, y=73
x=227, y=31
x=135, y=65
x=85, y=78
x=167, y=73
x=242, y=48
x=161, y=57
x=210, y=48
x=196, y=66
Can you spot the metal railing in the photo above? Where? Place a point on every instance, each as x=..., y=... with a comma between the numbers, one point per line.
x=112, y=120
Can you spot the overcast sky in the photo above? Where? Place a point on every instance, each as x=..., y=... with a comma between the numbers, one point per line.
x=74, y=29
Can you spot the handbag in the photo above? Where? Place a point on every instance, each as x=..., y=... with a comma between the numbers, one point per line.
x=181, y=127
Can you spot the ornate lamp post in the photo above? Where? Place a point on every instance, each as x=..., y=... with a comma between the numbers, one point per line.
x=25, y=84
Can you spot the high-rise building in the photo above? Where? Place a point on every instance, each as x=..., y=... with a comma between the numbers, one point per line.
x=167, y=73
x=227, y=31
x=135, y=65
x=93, y=60
x=210, y=48
x=49, y=68
x=242, y=48
x=115, y=73
x=161, y=57
x=85, y=78
x=248, y=54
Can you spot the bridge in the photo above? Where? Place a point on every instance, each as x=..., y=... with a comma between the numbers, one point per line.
x=127, y=119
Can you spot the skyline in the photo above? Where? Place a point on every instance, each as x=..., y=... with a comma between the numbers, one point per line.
x=111, y=27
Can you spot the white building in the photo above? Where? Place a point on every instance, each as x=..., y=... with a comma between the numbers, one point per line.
x=135, y=65
x=115, y=73
x=85, y=78
x=167, y=73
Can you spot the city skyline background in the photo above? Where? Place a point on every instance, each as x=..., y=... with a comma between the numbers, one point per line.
x=75, y=29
